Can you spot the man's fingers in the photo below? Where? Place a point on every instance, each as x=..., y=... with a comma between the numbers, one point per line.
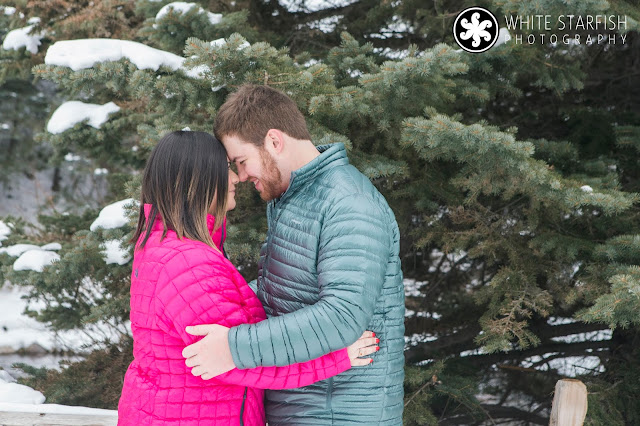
x=193, y=361
x=198, y=330
x=198, y=370
x=360, y=362
x=207, y=376
x=190, y=351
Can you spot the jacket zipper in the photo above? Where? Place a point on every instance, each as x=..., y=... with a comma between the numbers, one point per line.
x=329, y=393
x=274, y=213
x=244, y=397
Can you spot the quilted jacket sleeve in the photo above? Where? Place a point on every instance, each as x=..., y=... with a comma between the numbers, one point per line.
x=199, y=297
x=352, y=259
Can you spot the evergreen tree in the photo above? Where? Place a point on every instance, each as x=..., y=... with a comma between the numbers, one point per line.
x=516, y=236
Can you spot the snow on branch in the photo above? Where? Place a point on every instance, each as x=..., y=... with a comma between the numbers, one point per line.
x=35, y=260
x=181, y=7
x=23, y=37
x=70, y=113
x=112, y=216
x=5, y=231
x=85, y=53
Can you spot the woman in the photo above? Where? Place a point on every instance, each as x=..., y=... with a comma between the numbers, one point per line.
x=180, y=277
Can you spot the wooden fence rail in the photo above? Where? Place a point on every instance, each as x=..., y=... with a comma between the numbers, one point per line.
x=33, y=419
x=55, y=415
x=569, y=409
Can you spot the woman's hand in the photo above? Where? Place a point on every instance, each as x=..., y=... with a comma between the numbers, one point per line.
x=365, y=345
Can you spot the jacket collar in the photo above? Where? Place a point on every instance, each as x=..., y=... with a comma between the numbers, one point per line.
x=331, y=155
x=218, y=236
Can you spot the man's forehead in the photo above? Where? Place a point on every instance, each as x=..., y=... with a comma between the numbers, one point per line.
x=237, y=148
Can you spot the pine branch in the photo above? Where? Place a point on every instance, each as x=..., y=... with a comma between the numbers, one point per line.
x=496, y=412
x=462, y=341
x=304, y=17
x=568, y=349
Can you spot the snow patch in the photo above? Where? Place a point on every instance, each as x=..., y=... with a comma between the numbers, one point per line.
x=313, y=5
x=35, y=260
x=112, y=216
x=73, y=112
x=417, y=338
x=570, y=366
x=18, y=331
x=422, y=314
x=113, y=253
x=221, y=42
x=471, y=352
x=72, y=157
x=6, y=377
x=326, y=25
x=560, y=321
x=586, y=188
x=412, y=287
x=13, y=393
x=4, y=231
x=17, y=249
x=503, y=37
x=22, y=37
x=592, y=336
x=200, y=71
x=180, y=7
x=8, y=10
x=85, y=53
x=51, y=246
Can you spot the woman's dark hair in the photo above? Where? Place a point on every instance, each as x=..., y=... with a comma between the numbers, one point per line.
x=185, y=173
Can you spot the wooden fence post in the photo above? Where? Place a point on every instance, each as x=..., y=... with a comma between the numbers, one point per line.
x=569, y=403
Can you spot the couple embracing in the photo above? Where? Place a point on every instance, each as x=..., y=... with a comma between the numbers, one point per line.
x=317, y=339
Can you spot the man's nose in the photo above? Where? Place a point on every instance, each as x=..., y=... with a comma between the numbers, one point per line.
x=234, y=177
x=242, y=175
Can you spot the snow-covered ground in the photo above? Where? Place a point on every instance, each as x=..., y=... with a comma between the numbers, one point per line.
x=17, y=398
x=19, y=332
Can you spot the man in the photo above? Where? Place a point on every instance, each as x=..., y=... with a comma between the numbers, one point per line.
x=328, y=271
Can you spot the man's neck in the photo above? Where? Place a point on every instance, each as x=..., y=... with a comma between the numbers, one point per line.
x=304, y=153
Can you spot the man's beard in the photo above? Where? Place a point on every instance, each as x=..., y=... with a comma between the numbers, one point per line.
x=272, y=180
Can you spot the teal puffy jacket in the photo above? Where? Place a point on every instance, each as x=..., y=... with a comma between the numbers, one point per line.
x=331, y=264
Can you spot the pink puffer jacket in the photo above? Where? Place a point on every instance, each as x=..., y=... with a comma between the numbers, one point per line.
x=178, y=283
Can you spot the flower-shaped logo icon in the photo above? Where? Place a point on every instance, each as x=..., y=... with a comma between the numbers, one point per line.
x=475, y=29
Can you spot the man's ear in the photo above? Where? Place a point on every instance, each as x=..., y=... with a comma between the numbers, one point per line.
x=274, y=141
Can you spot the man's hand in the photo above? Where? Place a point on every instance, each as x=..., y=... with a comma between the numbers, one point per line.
x=210, y=356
